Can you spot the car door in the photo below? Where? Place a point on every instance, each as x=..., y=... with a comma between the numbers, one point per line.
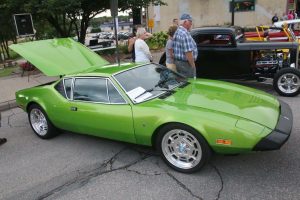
x=219, y=56
x=60, y=105
x=97, y=108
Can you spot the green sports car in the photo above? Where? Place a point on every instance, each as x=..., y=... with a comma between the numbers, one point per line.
x=184, y=119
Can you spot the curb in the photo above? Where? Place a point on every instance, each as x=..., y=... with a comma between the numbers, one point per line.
x=8, y=105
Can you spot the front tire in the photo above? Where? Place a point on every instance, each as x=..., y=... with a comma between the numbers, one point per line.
x=40, y=123
x=182, y=148
x=286, y=82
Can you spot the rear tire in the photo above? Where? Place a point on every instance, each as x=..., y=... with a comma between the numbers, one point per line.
x=182, y=148
x=40, y=123
x=286, y=82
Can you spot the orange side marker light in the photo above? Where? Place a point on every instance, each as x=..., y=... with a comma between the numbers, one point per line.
x=224, y=141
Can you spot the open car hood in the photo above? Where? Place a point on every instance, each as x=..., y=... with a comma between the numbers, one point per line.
x=58, y=56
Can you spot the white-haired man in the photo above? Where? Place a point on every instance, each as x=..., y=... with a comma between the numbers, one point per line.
x=185, y=48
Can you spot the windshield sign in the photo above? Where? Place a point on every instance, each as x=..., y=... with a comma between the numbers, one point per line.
x=148, y=81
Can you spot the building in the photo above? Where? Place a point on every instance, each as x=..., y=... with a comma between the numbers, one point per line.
x=248, y=13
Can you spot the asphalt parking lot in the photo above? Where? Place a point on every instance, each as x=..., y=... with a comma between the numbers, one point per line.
x=73, y=166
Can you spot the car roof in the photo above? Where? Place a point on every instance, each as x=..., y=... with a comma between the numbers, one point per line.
x=213, y=29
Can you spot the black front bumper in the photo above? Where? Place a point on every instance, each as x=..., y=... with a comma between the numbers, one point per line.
x=281, y=133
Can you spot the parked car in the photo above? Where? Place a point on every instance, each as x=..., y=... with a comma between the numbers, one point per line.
x=185, y=119
x=272, y=33
x=225, y=54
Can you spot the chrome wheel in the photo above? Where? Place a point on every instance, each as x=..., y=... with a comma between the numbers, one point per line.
x=288, y=83
x=181, y=148
x=38, y=122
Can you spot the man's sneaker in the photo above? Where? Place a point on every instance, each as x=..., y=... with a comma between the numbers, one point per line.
x=2, y=140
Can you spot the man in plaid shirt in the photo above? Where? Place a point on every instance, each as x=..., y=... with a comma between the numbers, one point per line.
x=185, y=48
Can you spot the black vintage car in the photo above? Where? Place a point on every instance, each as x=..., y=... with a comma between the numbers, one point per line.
x=225, y=54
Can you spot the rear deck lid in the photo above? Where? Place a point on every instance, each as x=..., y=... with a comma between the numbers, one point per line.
x=58, y=56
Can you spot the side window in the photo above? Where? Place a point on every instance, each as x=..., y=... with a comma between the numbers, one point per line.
x=68, y=85
x=203, y=39
x=60, y=88
x=114, y=96
x=213, y=40
x=90, y=89
x=222, y=39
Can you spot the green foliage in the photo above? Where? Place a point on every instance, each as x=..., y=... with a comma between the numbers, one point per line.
x=67, y=17
x=129, y=4
x=158, y=40
x=96, y=30
x=7, y=71
x=44, y=30
x=96, y=22
x=60, y=15
x=7, y=29
x=13, y=55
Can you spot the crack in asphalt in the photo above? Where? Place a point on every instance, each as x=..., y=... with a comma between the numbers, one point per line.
x=221, y=179
x=85, y=177
x=149, y=153
x=8, y=120
x=183, y=186
x=179, y=182
x=81, y=179
x=144, y=174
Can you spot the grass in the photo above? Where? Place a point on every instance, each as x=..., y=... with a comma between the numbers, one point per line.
x=7, y=71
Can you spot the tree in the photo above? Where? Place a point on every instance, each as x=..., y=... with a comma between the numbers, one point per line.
x=7, y=29
x=131, y=4
x=58, y=13
x=68, y=15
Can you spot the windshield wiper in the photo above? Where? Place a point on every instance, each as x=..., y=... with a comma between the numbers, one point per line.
x=184, y=84
x=161, y=83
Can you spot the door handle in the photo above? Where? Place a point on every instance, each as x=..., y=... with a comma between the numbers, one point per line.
x=73, y=109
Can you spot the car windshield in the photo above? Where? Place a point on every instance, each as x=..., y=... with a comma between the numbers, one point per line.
x=148, y=81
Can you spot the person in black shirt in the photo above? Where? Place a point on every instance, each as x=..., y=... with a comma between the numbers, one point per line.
x=274, y=18
x=131, y=42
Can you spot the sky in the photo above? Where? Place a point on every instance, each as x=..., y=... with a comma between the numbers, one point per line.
x=107, y=13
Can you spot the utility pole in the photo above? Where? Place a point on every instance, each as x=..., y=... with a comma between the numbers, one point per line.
x=232, y=12
x=114, y=14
